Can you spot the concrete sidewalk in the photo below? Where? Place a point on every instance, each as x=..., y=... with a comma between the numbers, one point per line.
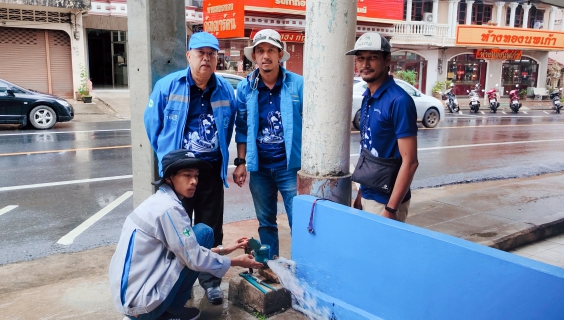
x=106, y=105
x=502, y=214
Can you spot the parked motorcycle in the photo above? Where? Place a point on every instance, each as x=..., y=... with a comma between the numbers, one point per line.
x=555, y=97
x=514, y=103
x=474, y=98
x=450, y=99
x=492, y=97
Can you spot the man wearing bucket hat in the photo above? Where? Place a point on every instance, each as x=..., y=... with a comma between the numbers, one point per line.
x=388, y=127
x=195, y=110
x=268, y=132
x=160, y=254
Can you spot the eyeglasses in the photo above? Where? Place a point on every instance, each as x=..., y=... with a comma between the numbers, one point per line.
x=202, y=53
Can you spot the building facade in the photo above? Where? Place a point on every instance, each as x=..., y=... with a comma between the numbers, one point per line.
x=42, y=44
x=437, y=39
x=457, y=40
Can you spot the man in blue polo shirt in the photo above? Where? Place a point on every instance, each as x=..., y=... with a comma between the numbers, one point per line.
x=194, y=109
x=388, y=126
x=268, y=132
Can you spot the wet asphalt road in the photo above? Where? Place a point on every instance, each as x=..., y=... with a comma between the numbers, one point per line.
x=60, y=178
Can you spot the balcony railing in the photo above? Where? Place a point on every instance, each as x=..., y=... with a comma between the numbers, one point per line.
x=423, y=33
x=421, y=28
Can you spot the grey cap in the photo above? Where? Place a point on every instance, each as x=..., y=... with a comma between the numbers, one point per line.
x=371, y=41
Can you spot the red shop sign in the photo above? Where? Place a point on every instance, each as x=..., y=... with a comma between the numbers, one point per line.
x=285, y=36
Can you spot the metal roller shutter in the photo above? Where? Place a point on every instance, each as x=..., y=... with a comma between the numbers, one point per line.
x=60, y=63
x=23, y=58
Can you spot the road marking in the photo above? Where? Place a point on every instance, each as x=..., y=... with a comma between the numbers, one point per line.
x=545, y=112
x=62, y=183
x=69, y=237
x=480, y=145
x=494, y=126
x=488, y=144
x=7, y=209
x=61, y=150
x=504, y=112
x=525, y=112
x=482, y=112
x=460, y=112
x=59, y=132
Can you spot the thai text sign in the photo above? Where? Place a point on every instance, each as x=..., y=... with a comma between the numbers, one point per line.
x=285, y=36
x=370, y=9
x=498, y=54
x=224, y=18
x=485, y=36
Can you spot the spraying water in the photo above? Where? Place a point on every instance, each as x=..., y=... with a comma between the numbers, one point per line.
x=302, y=300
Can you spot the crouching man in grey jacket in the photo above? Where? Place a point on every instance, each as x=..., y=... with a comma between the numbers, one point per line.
x=159, y=254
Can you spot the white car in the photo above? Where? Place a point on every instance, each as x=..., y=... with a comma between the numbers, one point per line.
x=233, y=79
x=429, y=110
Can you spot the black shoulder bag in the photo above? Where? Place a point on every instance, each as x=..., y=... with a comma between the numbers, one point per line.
x=374, y=172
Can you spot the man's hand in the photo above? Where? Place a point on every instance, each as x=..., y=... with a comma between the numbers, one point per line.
x=240, y=243
x=240, y=175
x=245, y=261
x=357, y=202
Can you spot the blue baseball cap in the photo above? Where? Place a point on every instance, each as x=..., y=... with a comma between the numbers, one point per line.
x=203, y=39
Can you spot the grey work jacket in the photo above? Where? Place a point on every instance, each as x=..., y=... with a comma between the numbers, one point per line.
x=156, y=243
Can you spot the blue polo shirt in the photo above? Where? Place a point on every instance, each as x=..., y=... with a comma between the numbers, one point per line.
x=270, y=138
x=200, y=133
x=386, y=116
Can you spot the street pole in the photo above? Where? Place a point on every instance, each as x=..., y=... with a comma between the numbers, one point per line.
x=157, y=46
x=328, y=74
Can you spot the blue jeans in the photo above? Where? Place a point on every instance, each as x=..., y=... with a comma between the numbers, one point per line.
x=264, y=185
x=180, y=293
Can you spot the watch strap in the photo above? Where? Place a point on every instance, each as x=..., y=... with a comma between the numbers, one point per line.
x=239, y=161
x=220, y=247
x=390, y=209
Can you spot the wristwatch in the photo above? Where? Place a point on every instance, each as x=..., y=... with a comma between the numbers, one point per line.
x=220, y=247
x=239, y=161
x=390, y=209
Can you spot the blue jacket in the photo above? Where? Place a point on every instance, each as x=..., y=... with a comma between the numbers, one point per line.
x=291, y=108
x=167, y=111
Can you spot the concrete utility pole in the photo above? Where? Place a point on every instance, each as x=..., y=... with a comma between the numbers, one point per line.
x=157, y=46
x=328, y=73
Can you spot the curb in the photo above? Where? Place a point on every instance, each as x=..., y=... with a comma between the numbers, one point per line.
x=528, y=233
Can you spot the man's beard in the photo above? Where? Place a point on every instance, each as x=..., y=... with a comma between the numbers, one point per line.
x=371, y=78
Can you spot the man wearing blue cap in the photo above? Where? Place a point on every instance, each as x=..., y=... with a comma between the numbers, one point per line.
x=194, y=109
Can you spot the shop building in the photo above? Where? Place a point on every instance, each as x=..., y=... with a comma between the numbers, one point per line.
x=236, y=22
x=437, y=39
x=480, y=42
x=42, y=47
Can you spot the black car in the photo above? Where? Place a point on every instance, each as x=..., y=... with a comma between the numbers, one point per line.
x=31, y=108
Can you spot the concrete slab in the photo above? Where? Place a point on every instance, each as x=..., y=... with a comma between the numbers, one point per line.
x=244, y=295
x=429, y=213
x=117, y=101
x=471, y=225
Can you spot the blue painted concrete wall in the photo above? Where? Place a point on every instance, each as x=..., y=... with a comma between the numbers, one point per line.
x=365, y=266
